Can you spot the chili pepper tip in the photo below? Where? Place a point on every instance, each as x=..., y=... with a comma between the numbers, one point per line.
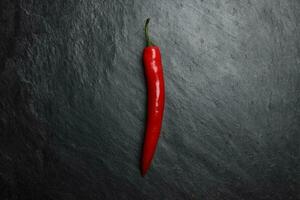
x=144, y=171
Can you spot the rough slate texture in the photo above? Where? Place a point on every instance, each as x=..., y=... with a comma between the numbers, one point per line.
x=72, y=104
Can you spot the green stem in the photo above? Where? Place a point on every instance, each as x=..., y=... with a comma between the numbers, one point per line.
x=148, y=41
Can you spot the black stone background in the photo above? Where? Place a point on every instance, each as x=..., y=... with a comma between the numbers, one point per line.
x=73, y=99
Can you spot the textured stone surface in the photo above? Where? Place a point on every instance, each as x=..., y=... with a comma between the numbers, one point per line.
x=72, y=99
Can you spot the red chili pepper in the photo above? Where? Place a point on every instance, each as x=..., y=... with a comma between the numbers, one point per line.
x=155, y=100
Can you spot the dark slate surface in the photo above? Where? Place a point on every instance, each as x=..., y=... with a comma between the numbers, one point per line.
x=73, y=99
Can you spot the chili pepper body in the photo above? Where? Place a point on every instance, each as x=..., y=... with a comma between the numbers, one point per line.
x=155, y=102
